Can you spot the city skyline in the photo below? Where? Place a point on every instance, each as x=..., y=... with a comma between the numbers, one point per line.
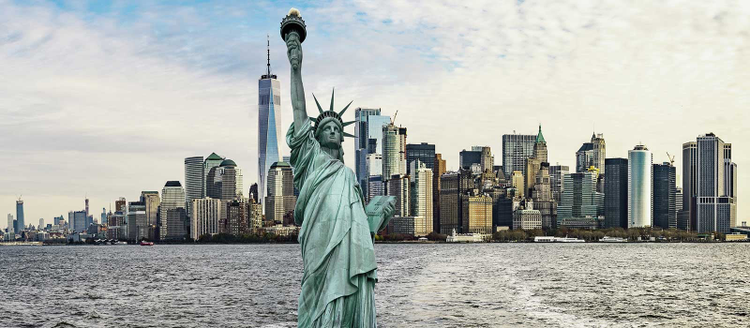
x=91, y=111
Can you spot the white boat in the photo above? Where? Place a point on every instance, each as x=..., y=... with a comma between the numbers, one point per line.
x=608, y=239
x=552, y=239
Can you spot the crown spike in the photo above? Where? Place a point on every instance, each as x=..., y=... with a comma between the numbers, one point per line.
x=347, y=135
x=348, y=123
x=345, y=108
x=332, y=91
x=320, y=109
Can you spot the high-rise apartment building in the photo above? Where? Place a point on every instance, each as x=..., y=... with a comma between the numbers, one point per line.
x=205, y=217
x=20, y=221
x=368, y=140
x=280, y=199
x=421, y=194
x=172, y=200
x=665, y=193
x=640, y=193
x=394, y=151
x=194, y=183
x=516, y=149
x=616, y=193
x=236, y=217
x=592, y=153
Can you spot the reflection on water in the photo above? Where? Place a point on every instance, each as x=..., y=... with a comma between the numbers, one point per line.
x=421, y=285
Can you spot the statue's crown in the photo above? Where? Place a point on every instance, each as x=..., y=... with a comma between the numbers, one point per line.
x=329, y=115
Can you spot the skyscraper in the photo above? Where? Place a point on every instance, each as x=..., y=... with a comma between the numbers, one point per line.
x=421, y=194
x=280, y=199
x=148, y=226
x=689, y=185
x=556, y=174
x=616, y=193
x=592, y=153
x=394, y=151
x=516, y=149
x=194, y=183
x=269, y=124
x=398, y=186
x=11, y=228
x=20, y=222
x=665, y=192
x=424, y=152
x=207, y=212
x=713, y=201
x=581, y=205
x=639, y=187
x=368, y=139
x=477, y=214
x=172, y=200
x=437, y=172
x=211, y=162
x=541, y=194
x=470, y=158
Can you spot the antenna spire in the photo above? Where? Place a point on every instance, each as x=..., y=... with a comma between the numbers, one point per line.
x=268, y=52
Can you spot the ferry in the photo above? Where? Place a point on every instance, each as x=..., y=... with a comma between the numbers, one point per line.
x=552, y=239
x=608, y=239
x=147, y=243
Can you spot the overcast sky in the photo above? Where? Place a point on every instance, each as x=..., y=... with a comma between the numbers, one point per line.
x=107, y=98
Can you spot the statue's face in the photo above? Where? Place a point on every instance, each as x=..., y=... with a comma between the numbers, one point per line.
x=330, y=136
x=294, y=50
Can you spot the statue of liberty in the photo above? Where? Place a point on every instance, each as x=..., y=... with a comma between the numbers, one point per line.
x=336, y=228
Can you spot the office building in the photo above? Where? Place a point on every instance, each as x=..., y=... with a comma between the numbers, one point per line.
x=236, y=217
x=527, y=219
x=103, y=217
x=665, y=193
x=541, y=194
x=209, y=163
x=616, y=193
x=437, y=172
x=137, y=226
x=581, y=206
x=556, y=174
x=121, y=205
x=469, y=159
x=172, y=199
x=713, y=206
x=639, y=187
x=20, y=220
x=421, y=194
x=11, y=224
x=398, y=186
x=194, y=183
x=592, y=154
x=77, y=220
x=149, y=228
x=280, y=199
x=269, y=125
x=516, y=149
x=477, y=213
x=424, y=152
x=368, y=140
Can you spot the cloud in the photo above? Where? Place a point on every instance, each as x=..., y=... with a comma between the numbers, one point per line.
x=109, y=100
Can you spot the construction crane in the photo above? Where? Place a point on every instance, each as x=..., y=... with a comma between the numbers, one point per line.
x=671, y=159
x=393, y=121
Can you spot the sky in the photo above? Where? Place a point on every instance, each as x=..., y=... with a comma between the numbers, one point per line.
x=104, y=99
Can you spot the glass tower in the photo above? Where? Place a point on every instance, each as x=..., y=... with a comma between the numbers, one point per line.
x=269, y=127
x=640, y=193
x=516, y=149
x=20, y=223
x=193, y=180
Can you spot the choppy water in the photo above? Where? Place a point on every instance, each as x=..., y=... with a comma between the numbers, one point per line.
x=421, y=285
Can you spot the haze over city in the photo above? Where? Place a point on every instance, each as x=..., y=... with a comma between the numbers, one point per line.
x=106, y=99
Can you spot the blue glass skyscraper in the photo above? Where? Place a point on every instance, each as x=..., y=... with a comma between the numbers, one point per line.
x=20, y=223
x=269, y=126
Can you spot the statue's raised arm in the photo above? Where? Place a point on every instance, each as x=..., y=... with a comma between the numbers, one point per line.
x=293, y=36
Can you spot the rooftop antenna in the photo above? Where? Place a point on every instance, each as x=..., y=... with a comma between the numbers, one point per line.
x=268, y=52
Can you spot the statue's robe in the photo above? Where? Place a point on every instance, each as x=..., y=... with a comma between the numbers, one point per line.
x=337, y=250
